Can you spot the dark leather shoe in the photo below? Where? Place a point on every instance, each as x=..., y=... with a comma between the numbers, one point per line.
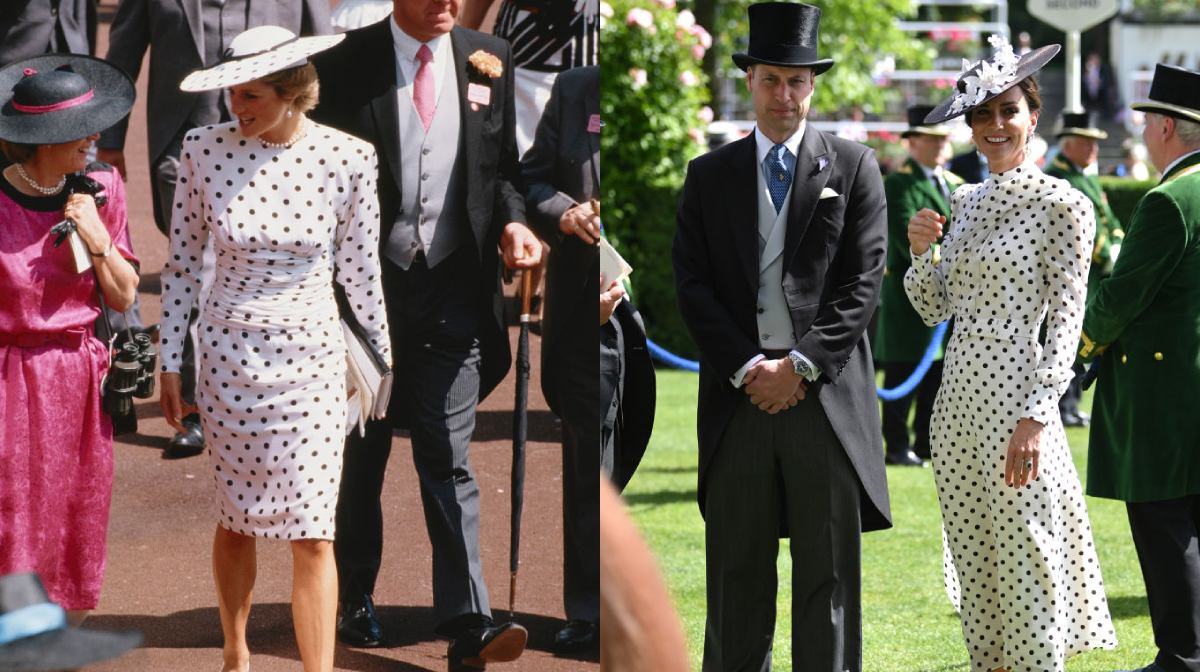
x=576, y=636
x=475, y=648
x=358, y=626
x=1074, y=420
x=906, y=459
x=1152, y=667
x=188, y=442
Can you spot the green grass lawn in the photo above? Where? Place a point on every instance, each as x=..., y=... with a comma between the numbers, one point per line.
x=908, y=623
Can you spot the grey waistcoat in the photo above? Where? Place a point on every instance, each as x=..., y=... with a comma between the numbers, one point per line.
x=432, y=218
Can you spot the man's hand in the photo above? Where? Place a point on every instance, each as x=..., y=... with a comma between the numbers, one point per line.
x=773, y=385
x=582, y=221
x=519, y=246
x=609, y=299
x=114, y=158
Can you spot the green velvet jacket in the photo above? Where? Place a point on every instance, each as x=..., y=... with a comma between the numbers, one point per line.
x=1143, y=322
x=1108, y=228
x=900, y=335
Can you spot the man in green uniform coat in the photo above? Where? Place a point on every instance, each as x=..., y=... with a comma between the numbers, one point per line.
x=1078, y=148
x=1143, y=322
x=901, y=337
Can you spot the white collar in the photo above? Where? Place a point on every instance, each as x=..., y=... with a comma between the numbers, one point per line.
x=929, y=172
x=764, y=144
x=407, y=46
x=1179, y=160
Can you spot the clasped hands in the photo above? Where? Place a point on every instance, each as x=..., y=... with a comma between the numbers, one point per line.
x=773, y=385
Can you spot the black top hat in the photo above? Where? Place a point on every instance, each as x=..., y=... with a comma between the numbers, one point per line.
x=917, y=125
x=1079, y=123
x=60, y=98
x=966, y=98
x=34, y=634
x=1174, y=92
x=784, y=34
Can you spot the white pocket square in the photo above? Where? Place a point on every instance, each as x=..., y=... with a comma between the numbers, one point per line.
x=828, y=193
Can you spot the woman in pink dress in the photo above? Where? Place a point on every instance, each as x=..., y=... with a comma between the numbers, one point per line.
x=55, y=440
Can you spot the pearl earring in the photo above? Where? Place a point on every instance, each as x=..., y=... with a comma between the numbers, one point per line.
x=289, y=113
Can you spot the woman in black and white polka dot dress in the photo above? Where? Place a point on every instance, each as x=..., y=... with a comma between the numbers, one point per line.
x=1015, y=257
x=290, y=208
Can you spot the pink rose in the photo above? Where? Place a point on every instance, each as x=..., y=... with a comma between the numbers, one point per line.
x=697, y=136
x=638, y=75
x=666, y=4
x=685, y=19
x=706, y=114
x=701, y=34
x=640, y=17
x=688, y=78
x=698, y=52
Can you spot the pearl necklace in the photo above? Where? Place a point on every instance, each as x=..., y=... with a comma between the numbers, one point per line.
x=290, y=141
x=45, y=191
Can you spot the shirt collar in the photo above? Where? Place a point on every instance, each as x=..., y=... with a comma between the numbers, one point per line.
x=407, y=46
x=764, y=144
x=1178, y=161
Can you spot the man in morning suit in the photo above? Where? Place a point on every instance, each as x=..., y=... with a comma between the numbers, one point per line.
x=1142, y=323
x=779, y=252
x=436, y=101
x=1078, y=149
x=901, y=336
x=184, y=36
x=33, y=27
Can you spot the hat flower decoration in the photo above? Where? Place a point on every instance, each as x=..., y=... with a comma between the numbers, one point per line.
x=994, y=76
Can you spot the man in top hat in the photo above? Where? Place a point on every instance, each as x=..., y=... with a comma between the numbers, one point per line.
x=902, y=336
x=1078, y=148
x=1142, y=323
x=779, y=252
x=436, y=101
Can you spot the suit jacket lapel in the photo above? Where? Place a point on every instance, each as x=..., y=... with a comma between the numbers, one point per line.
x=592, y=106
x=383, y=106
x=814, y=164
x=925, y=184
x=194, y=11
x=742, y=207
x=469, y=130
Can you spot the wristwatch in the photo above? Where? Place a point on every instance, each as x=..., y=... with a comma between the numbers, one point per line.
x=799, y=365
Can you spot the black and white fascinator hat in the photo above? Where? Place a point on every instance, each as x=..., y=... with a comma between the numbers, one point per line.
x=980, y=82
x=256, y=53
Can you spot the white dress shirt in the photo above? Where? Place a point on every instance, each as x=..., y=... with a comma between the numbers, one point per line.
x=406, y=47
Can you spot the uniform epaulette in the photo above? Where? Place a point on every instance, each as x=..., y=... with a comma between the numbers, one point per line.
x=904, y=170
x=1060, y=162
x=1089, y=348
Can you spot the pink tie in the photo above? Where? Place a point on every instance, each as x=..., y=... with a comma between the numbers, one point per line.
x=423, y=96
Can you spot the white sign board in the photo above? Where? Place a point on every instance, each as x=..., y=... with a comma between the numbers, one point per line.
x=1069, y=15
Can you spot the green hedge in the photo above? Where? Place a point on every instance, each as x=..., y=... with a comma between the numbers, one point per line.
x=1124, y=194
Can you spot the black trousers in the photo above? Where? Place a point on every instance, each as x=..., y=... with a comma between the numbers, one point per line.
x=895, y=413
x=1166, y=534
x=437, y=379
x=772, y=471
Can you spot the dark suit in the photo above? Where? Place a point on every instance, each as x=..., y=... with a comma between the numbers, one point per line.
x=446, y=322
x=831, y=483
x=33, y=27
x=561, y=170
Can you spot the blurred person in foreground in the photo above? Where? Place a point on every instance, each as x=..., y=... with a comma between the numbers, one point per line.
x=56, y=455
x=1015, y=254
x=901, y=339
x=788, y=422
x=1079, y=147
x=1141, y=323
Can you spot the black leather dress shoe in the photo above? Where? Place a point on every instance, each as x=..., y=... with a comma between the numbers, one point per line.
x=188, y=442
x=906, y=459
x=576, y=636
x=358, y=626
x=475, y=648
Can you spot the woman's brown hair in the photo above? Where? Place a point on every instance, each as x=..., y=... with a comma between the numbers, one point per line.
x=298, y=84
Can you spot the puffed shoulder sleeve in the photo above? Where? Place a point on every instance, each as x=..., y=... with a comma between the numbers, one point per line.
x=1066, y=259
x=188, y=236
x=356, y=254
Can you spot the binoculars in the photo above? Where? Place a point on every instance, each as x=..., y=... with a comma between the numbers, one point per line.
x=130, y=375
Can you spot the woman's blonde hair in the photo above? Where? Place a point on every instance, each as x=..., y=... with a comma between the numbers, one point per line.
x=298, y=84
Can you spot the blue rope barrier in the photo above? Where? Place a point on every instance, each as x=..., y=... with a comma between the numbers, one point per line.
x=900, y=391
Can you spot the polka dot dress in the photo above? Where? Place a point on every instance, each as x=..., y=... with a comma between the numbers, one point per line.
x=271, y=379
x=1016, y=255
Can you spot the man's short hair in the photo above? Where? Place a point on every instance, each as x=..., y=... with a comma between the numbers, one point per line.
x=1187, y=130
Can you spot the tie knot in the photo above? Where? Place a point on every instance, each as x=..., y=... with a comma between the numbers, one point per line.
x=424, y=54
x=777, y=152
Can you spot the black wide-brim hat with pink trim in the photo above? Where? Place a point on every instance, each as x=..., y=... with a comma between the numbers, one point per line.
x=61, y=97
x=34, y=634
x=783, y=34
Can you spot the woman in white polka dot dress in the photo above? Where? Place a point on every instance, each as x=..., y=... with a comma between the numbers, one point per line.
x=290, y=208
x=1015, y=258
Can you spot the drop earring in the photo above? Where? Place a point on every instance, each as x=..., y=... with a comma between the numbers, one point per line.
x=290, y=113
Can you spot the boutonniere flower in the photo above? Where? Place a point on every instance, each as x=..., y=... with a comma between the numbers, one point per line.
x=487, y=64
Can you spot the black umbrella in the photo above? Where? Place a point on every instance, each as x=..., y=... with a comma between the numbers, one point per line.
x=520, y=431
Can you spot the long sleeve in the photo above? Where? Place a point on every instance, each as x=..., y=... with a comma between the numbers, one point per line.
x=545, y=204
x=356, y=253
x=1066, y=259
x=925, y=281
x=128, y=40
x=185, y=258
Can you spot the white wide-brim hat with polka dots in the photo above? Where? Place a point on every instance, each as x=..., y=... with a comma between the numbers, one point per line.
x=256, y=53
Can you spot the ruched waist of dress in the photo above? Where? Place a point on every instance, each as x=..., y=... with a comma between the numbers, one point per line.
x=1002, y=328
x=271, y=291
